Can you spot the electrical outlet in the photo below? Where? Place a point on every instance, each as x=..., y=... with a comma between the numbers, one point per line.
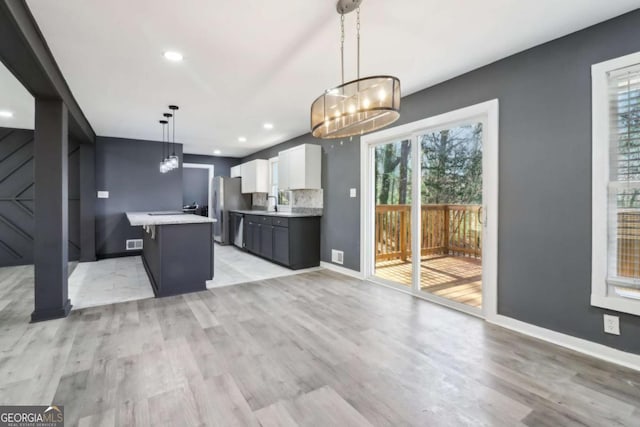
x=611, y=324
x=103, y=194
x=352, y=192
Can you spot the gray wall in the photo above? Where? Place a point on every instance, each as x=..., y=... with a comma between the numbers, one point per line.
x=195, y=186
x=545, y=177
x=221, y=165
x=128, y=169
x=17, y=197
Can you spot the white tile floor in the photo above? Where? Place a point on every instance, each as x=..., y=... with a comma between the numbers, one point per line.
x=108, y=281
x=233, y=266
x=124, y=279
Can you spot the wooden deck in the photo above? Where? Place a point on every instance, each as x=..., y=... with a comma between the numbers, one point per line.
x=453, y=277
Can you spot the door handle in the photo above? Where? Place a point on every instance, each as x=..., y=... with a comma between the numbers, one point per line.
x=482, y=216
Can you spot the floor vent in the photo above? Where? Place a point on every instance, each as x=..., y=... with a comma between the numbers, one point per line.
x=337, y=256
x=134, y=244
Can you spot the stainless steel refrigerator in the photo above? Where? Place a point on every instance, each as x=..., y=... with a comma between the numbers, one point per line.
x=226, y=196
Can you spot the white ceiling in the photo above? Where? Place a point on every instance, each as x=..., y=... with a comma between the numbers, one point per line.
x=16, y=99
x=256, y=61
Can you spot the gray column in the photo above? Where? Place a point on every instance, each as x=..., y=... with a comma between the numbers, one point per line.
x=51, y=252
x=87, y=203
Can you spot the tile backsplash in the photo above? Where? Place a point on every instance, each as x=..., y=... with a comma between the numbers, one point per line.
x=301, y=201
x=306, y=199
x=259, y=201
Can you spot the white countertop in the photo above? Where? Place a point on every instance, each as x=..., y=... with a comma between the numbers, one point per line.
x=279, y=213
x=165, y=218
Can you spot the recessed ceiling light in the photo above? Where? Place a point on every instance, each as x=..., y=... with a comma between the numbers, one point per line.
x=216, y=152
x=242, y=139
x=6, y=114
x=268, y=125
x=173, y=56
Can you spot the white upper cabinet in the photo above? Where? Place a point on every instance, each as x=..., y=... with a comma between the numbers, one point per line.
x=236, y=171
x=255, y=176
x=283, y=170
x=299, y=168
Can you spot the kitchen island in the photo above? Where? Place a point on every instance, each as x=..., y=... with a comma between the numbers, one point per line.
x=177, y=251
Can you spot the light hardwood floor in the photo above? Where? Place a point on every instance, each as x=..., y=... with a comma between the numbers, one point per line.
x=453, y=277
x=316, y=349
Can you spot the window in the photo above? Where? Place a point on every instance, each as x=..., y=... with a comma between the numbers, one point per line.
x=616, y=185
x=274, y=177
x=282, y=197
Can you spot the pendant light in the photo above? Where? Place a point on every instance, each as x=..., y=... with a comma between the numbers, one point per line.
x=163, y=166
x=167, y=160
x=173, y=159
x=359, y=106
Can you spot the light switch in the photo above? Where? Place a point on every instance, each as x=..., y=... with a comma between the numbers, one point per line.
x=352, y=192
x=103, y=194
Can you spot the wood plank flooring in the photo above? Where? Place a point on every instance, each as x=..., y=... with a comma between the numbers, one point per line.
x=453, y=277
x=315, y=349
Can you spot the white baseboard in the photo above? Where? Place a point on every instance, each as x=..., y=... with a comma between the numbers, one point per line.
x=341, y=270
x=580, y=345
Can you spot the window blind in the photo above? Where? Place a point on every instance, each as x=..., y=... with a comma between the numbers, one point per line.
x=623, y=264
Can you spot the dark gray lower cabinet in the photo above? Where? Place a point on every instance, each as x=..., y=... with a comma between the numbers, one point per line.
x=266, y=240
x=252, y=236
x=292, y=242
x=235, y=220
x=281, y=244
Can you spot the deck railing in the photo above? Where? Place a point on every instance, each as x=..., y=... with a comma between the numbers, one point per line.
x=446, y=229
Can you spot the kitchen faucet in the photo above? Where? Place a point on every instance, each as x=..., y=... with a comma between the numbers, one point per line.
x=275, y=205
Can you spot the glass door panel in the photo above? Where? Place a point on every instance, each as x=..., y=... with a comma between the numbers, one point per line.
x=392, y=223
x=451, y=213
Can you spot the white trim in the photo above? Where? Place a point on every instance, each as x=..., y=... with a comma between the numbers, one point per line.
x=621, y=304
x=490, y=188
x=580, y=345
x=599, y=185
x=210, y=168
x=342, y=270
x=487, y=113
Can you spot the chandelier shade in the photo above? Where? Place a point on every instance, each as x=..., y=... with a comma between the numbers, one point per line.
x=359, y=106
x=356, y=107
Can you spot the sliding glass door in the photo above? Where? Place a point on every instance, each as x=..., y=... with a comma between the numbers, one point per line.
x=427, y=186
x=392, y=223
x=451, y=213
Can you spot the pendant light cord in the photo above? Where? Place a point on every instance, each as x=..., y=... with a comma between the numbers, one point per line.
x=342, y=45
x=173, y=145
x=358, y=32
x=162, y=140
